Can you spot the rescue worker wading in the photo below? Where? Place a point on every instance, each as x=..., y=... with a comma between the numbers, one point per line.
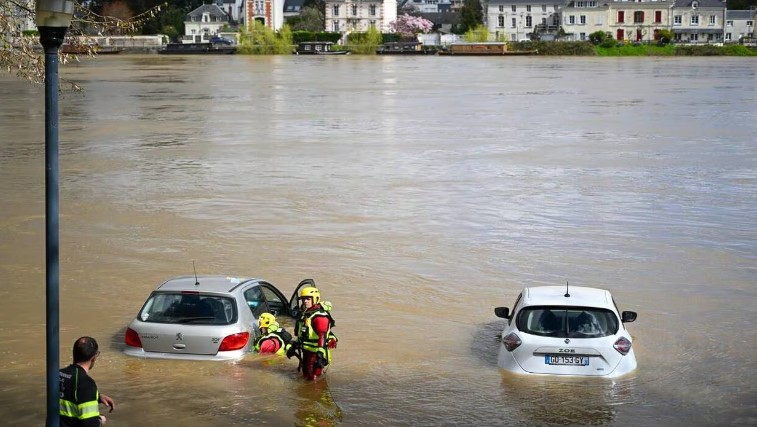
x=273, y=338
x=79, y=397
x=315, y=338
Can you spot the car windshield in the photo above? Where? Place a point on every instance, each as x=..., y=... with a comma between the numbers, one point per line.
x=568, y=322
x=189, y=308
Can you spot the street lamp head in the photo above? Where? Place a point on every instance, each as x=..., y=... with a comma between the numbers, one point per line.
x=54, y=13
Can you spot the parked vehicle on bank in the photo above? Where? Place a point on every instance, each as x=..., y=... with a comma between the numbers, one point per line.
x=557, y=330
x=205, y=317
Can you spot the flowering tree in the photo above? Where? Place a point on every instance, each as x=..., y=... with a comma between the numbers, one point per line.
x=411, y=25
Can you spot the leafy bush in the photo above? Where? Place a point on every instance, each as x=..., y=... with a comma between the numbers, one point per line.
x=665, y=37
x=477, y=34
x=599, y=37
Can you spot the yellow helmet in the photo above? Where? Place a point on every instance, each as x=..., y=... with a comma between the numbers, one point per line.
x=265, y=320
x=312, y=292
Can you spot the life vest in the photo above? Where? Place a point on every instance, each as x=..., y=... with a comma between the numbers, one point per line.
x=282, y=336
x=308, y=337
x=79, y=397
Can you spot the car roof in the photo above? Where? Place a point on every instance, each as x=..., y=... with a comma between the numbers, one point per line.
x=206, y=283
x=579, y=296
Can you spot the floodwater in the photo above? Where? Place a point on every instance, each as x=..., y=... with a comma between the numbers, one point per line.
x=419, y=193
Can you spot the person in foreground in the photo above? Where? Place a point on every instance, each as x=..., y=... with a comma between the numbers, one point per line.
x=313, y=329
x=79, y=397
x=273, y=338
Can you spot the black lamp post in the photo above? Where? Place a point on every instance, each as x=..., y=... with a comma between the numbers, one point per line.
x=53, y=19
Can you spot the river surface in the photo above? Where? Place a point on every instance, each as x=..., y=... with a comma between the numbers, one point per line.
x=419, y=193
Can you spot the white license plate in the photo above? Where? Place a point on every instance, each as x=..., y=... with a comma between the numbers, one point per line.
x=558, y=359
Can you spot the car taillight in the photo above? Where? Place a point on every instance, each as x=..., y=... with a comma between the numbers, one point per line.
x=235, y=342
x=132, y=338
x=622, y=345
x=511, y=341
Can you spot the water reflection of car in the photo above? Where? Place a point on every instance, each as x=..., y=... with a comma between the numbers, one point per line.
x=566, y=331
x=205, y=318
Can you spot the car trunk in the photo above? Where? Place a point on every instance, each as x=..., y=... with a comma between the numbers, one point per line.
x=586, y=356
x=181, y=339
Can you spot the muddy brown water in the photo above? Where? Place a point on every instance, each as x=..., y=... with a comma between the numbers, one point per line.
x=419, y=193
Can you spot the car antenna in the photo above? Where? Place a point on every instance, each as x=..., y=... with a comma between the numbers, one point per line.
x=197, y=282
x=567, y=293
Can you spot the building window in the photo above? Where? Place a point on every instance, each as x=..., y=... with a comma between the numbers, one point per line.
x=571, y=20
x=621, y=16
x=694, y=37
x=728, y=36
x=729, y=23
x=528, y=21
x=749, y=23
x=544, y=8
x=513, y=38
x=335, y=26
x=582, y=20
x=677, y=20
x=657, y=16
x=336, y=11
x=501, y=8
x=582, y=36
x=354, y=10
x=513, y=8
x=694, y=19
x=528, y=8
x=500, y=21
x=514, y=23
x=712, y=19
x=372, y=10
x=600, y=20
x=638, y=17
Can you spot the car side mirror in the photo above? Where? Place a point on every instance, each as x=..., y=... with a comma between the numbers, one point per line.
x=628, y=316
x=502, y=312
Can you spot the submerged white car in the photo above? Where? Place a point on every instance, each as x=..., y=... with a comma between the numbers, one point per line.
x=556, y=330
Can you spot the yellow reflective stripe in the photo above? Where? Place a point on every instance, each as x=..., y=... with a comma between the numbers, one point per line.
x=89, y=410
x=68, y=409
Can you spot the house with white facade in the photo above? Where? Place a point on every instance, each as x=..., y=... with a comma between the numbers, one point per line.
x=739, y=24
x=583, y=17
x=233, y=8
x=203, y=23
x=640, y=20
x=345, y=16
x=698, y=21
x=520, y=20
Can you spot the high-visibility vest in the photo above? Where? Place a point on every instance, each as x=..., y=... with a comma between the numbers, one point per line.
x=282, y=336
x=79, y=396
x=308, y=337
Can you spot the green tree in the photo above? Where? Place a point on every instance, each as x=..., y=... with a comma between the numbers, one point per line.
x=365, y=43
x=478, y=34
x=471, y=15
x=310, y=19
x=261, y=40
x=24, y=60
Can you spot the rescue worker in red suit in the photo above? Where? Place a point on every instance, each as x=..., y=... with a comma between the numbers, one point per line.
x=314, y=337
x=273, y=338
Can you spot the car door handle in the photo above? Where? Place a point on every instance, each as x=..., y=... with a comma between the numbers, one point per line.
x=179, y=346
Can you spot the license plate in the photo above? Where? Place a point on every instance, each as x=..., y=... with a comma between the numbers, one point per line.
x=554, y=359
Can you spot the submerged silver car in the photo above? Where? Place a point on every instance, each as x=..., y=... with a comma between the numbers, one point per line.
x=205, y=317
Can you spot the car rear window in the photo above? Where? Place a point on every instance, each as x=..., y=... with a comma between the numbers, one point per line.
x=568, y=322
x=194, y=308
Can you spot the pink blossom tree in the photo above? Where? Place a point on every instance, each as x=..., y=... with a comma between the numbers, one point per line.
x=411, y=26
